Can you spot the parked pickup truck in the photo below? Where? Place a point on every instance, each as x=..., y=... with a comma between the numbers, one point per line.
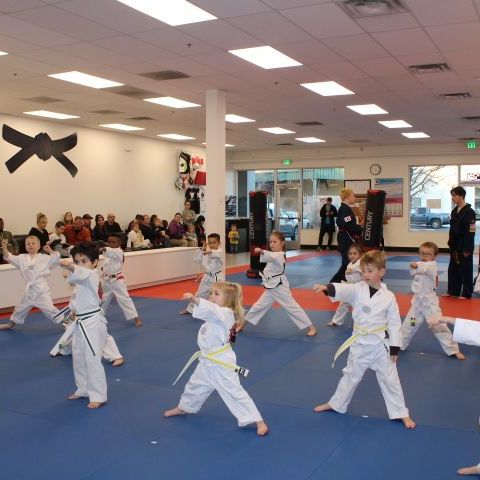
x=424, y=217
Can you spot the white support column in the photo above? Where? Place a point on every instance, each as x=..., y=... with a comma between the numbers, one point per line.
x=215, y=189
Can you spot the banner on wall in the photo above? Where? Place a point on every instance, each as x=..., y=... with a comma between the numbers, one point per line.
x=394, y=190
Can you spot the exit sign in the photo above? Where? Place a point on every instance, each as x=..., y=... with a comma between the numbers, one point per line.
x=287, y=161
x=472, y=144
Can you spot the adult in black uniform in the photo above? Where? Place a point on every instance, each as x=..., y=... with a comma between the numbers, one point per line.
x=348, y=231
x=327, y=223
x=461, y=244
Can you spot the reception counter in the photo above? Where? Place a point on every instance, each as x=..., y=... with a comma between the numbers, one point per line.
x=141, y=269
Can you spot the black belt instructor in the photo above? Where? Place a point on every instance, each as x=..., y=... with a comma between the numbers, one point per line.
x=461, y=244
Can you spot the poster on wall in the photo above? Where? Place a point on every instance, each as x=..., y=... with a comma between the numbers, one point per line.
x=394, y=189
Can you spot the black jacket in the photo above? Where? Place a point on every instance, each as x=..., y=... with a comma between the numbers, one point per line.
x=462, y=229
x=324, y=217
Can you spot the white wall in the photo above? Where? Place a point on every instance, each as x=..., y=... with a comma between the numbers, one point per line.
x=394, y=161
x=118, y=172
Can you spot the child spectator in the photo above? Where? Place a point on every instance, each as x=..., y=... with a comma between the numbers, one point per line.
x=191, y=235
x=233, y=237
x=57, y=240
x=135, y=238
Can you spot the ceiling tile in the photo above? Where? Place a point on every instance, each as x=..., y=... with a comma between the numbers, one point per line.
x=463, y=59
x=282, y=4
x=356, y=47
x=14, y=45
x=456, y=37
x=421, y=59
x=10, y=6
x=339, y=70
x=232, y=8
x=312, y=51
x=384, y=23
x=96, y=54
x=226, y=62
x=381, y=67
x=442, y=12
x=405, y=42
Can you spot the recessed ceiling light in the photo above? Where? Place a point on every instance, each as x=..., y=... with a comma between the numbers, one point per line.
x=3, y=53
x=370, y=109
x=276, y=130
x=395, y=124
x=175, y=136
x=120, y=126
x=85, y=79
x=265, y=57
x=227, y=144
x=327, y=89
x=416, y=135
x=172, y=102
x=310, y=140
x=46, y=113
x=177, y=12
x=232, y=118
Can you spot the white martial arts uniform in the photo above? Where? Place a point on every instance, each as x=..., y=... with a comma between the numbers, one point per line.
x=209, y=376
x=113, y=283
x=354, y=276
x=35, y=269
x=371, y=349
x=277, y=289
x=89, y=335
x=425, y=304
x=212, y=266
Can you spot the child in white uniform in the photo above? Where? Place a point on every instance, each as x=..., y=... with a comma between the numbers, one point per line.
x=113, y=281
x=90, y=334
x=425, y=301
x=276, y=287
x=353, y=274
x=217, y=369
x=34, y=268
x=211, y=258
x=375, y=311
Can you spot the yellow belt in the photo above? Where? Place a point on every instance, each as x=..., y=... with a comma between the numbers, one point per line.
x=361, y=332
x=212, y=357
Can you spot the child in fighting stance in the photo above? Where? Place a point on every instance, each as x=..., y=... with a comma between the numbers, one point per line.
x=276, y=287
x=375, y=312
x=425, y=302
x=217, y=368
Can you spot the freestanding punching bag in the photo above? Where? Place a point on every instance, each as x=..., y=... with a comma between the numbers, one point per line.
x=258, y=230
x=373, y=220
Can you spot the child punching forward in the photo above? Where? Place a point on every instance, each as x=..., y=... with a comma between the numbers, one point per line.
x=276, y=287
x=217, y=368
x=90, y=334
x=375, y=311
x=353, y=274
x=425, y=302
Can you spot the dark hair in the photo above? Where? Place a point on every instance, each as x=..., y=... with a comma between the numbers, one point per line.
x=329, y=199
x=199, y=219
x=460, y=191
x=178, y=213
x=357, y=247
x=139, y=217
x=233, y=225
x=58, y=224
x=152, y=219
x=97, y=216
x=214, y=235
x=89, y=249
x=115, y=235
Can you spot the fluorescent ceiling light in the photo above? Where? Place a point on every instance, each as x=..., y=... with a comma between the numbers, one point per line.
x=276, y=130
x=327, y=89
x=46, y=113
x=227, y=144
x=172, y=102
x=3, y=53
x=232, y=118
x=174, y=12
x=395, y=124
x=175, y=136
x=310, y=140
x=120, y=126
x=265, y=57
x=85, y=79
x=370, y=109
x=416, y=135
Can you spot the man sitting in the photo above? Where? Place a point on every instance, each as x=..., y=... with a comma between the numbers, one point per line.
x=77, y=233
x=12, y=243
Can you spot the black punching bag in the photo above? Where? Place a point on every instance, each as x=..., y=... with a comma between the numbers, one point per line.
x=258, y=230
x=373, y=220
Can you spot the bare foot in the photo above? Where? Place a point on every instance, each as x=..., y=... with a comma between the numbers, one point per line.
x=240, y=326
x=118, y=362
x=331, y=323
x=183, y=312
x=469, y=470
x=324, y=407
x=7, y=326
x=74, y=396
x=463, y=298
x=408, y=422
x=174, y=412
x=262, y=428
x=95, y=404
x=460, y=356
x=312, y=331
x=138, y=322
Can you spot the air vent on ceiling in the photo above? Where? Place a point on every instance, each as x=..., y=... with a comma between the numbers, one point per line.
x=284, y=144
x=359, y=141
x=369, y=8
x=165, y=75
x=140, y=119
x=466, y=139
x=133, y=92
x=43, y=99
x=308, y=124
x=455, y=96
x=106, y=112
x=429, y=68
x=472, y=118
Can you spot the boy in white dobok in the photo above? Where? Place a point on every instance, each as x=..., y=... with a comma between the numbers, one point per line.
x=211, y=258
x=35, y=269
x=425, y=302
x=113, y=281
x=375, y=311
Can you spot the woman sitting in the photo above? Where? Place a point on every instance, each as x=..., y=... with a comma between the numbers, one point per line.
x=176, y=233
x=99, y=231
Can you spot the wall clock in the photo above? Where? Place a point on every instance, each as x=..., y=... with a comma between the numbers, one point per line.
x=375, y=169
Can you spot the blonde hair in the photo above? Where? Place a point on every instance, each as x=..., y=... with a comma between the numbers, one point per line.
x=33, y=237
x=374, y=257
x=232, y=294
x=345, y=192
x=431, y=246
x=41, y=215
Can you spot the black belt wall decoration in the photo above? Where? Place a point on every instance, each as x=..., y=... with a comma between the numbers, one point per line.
x=42, y=146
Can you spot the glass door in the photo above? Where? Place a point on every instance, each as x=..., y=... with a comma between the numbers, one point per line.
x=288, y=213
